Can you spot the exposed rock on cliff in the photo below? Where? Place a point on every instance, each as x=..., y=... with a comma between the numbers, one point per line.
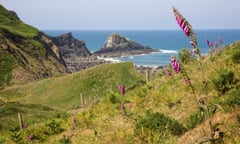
x=25, y=53
x=69, y=46
x=117, y=45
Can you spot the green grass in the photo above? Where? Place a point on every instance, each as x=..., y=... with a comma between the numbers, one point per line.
x=15, y=26
x=64, y=92
x=105, y=122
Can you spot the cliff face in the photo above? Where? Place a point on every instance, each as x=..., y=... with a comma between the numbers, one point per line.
x=25, y=53
x=117, y=45
x=69, y=46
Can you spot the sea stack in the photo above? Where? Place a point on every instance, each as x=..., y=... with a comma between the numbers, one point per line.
x=117, y=46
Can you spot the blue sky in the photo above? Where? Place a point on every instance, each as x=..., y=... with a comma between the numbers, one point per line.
x=125, y=14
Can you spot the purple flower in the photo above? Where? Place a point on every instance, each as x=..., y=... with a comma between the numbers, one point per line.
x=182, y=22
x=122, y=106
x=74, y=121
x=192, y=43
x=122, y=89
x=209, y=43
x=130, y=105
x=186, y=80
x=30, y=137
x=25, y=126
x=193, y=52
x=175, y=65
x=168, y=72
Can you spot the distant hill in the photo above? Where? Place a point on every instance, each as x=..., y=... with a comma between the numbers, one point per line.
x=117, y=45
x=26, y=54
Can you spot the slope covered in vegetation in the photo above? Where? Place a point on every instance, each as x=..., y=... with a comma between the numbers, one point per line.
x=163, y=110
x=25, y=53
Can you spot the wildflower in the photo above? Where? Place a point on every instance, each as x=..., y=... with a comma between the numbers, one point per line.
x=186, y=79
x=209, y=43
x=74, y=121
x=193, y=52
x=168, y=72
x=182, y=22
x=122, y=106
x=30, y=137
x=122, y=89
x=130, y=105
x=192, y=43
x=25, y=126
x=175, y=65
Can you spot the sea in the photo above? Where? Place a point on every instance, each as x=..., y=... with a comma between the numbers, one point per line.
x=169, y=42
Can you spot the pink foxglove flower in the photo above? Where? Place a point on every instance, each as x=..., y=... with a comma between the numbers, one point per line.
x=185, y=26
x=192, y=43
x=25, y=126
x=186, y=80
x=209, y=43
x=122, y=89
x=30, y=137
x=175, y=65
x=193, y=52
x=122, y=106
x=74, y=121
x=168, y=72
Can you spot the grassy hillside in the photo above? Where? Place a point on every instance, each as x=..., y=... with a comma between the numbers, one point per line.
x=64, y=92
x=25, y=53
x=163, y=110
x=10, y=22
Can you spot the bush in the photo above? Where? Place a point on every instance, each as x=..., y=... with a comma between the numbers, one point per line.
x=234, y=99
x=159, y=123
x=6, y=67
x=65, y=140
x=184, y=56
x=223, y=80
x=195, y=119
x=54, y=126
x=114, y=99
x=236, y=56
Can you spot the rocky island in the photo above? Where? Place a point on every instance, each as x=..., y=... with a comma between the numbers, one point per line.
x=117, y=46
x=75, y=52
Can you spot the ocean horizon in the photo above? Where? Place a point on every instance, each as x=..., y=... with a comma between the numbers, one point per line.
x=169, y=42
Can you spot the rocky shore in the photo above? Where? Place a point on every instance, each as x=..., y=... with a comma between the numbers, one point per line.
x=77, y=56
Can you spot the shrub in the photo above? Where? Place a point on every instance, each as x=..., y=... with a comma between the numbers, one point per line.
x=114, y=99
x=184, y=55
x=6, y=67
x=223, y=80
x=2, y=140
x=65, y=140
x=236, y=56
x=234, y=98
x=159, y=123
x=195, y=119
x=54, y=126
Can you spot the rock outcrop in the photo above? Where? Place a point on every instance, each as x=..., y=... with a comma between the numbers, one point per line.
x=70, y=46
x=117, y=45
x=75, y=53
